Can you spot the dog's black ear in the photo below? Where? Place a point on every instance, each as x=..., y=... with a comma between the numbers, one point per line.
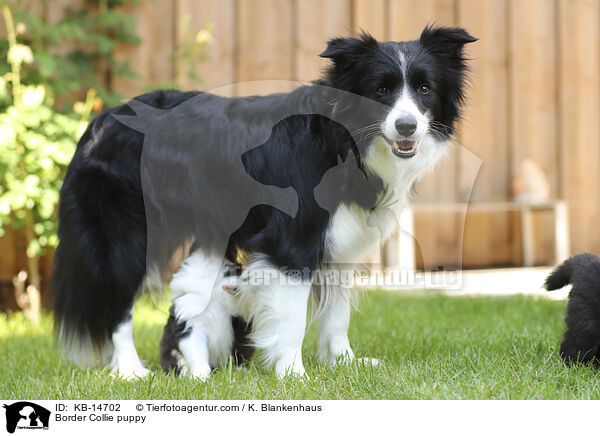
x=445, y=40
x=342, y=48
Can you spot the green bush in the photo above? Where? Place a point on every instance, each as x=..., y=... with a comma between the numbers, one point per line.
x=36, y=145
x=75, y=52
x=42, y=62
x=44, y=66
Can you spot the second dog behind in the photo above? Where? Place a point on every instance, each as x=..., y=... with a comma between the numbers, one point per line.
x=581, y=342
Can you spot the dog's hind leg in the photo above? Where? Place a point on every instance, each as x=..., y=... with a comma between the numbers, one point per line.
x=125, y=360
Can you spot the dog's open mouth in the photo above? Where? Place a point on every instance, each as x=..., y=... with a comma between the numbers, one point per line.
x=404, y=149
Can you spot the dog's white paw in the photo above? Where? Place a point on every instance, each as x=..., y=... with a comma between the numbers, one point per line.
x=338, y=358
x=289, y=368
x=367, y=361
x=130, y=372
x=198, y=374
x=289, y=375
x=347, y=359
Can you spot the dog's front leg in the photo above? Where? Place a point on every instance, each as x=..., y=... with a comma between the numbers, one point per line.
x=334, y=346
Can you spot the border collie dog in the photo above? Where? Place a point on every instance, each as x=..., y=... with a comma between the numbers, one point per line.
x=581, y=341
x=132, y=202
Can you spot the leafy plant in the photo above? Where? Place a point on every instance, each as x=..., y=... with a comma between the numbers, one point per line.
x=191, y=51
x=75, y=52
x=36, y=145
x=188, y=53
x=44, y=66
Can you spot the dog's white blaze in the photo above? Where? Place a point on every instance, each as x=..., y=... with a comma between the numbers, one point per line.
x=402, y=62
x=277, y=306
x=125, y=361
x=403, y=107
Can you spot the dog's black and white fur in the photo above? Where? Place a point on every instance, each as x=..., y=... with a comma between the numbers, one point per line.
x=581, y=341
x=100, y=263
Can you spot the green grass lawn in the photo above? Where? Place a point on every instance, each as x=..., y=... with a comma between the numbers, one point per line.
x=431, y=347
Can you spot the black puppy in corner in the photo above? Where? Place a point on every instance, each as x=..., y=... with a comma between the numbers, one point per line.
x=581, y=342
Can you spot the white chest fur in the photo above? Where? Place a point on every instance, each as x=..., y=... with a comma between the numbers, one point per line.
x=353, y=232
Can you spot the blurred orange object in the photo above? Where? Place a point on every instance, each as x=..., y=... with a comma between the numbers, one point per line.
x=530, y=184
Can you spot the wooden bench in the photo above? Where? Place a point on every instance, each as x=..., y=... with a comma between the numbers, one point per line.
x=401, y=252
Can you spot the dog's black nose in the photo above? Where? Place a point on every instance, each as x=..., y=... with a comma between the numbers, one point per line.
x=406, y=126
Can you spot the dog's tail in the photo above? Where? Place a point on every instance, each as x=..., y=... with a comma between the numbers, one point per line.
x=100, y=261
x=566, y=272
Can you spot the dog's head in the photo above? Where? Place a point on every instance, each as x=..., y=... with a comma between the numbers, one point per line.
x=421, y=83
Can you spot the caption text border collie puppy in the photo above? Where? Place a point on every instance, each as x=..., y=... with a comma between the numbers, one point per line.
x=109, y=246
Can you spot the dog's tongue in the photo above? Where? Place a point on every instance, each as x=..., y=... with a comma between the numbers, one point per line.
x=404, y=146
x=404, y=149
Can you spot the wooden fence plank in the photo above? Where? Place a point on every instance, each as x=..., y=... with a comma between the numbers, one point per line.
x=579, y=85
x=151, y=58
x=487, y=240
x=312, y=34
x=217, y=69
x=369, y=15
x=437, y=235
x=533, y=127
x=407, y=18
x=264, y=45
x=8, y=261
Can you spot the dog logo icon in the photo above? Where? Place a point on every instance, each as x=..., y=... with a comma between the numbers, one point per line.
x=26, y=415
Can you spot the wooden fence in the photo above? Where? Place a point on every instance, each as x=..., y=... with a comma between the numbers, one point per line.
x=535, y=93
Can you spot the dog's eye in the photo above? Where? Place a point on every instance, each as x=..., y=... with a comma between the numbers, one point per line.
x=383, y=90
x=424, y=89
